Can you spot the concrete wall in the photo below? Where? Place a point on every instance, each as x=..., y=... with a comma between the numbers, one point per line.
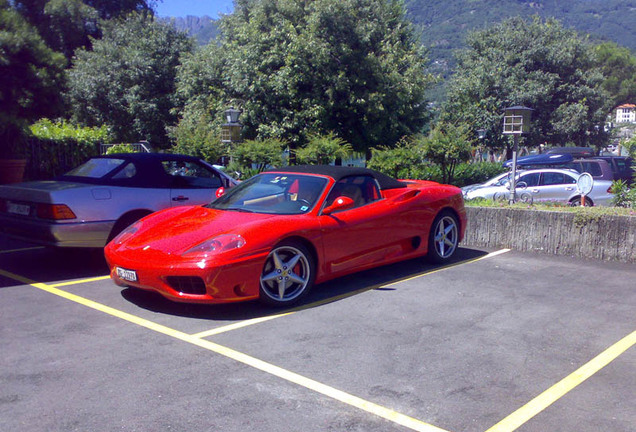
x=560, y=233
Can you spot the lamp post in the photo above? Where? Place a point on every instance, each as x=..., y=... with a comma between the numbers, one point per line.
x=481, y=135
x=516, y=123
x=231, y=130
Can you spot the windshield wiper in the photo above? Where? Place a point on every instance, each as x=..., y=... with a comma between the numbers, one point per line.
x=239, y=209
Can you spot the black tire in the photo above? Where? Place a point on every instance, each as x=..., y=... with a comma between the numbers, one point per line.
x=124, y=222
x=576, y=202
x=443, y=238
x=288, y=275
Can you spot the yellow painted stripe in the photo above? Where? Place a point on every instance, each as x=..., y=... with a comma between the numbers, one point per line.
x=292, y=377
x=429, y=272
x=80, y=281
x=237, y=325
x=247, y=323
x=21, y=249
x=554, y=393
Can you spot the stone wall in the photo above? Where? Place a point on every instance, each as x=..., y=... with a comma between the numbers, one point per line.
x=560, y=233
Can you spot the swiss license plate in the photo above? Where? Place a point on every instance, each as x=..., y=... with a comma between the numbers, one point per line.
x=129, y=275
x=21, y=209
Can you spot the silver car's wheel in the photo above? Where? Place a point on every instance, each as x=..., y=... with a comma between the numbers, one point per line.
x=443, y=238
x=287, y=276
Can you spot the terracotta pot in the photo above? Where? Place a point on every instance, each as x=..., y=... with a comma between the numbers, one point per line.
x=12, y=170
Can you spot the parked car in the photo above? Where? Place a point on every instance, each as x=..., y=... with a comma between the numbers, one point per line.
x=547, y=184
x=95, y=201
x=622, y=167
x=599, y=169
x=276, y=234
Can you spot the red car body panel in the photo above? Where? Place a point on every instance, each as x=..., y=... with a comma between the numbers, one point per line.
x=393, y=228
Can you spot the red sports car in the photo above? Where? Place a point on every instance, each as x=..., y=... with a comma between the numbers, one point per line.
x=275, y=235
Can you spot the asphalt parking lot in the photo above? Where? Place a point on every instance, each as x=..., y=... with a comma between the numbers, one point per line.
x=497, y=341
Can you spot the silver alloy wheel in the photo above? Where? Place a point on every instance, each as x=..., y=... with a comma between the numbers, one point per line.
x=446, y=237
x=286, y=274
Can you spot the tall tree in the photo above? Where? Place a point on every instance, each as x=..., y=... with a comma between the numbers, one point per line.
x=533, y=63
x=618, y=65
x=128, y=80
x=352, y=67
x=31, y=77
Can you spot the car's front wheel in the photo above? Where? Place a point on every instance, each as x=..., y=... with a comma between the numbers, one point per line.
x=287, y=276
x=443, y=238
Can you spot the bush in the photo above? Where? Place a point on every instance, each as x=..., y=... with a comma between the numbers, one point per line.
x=56, y=147
x=623, y=195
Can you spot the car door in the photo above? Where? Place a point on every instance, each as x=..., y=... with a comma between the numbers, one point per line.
x=191, y=183
x=555, y=186
x=360, y=236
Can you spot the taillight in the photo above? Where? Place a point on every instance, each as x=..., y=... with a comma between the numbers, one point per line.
x=55, y=212
x=609, y=189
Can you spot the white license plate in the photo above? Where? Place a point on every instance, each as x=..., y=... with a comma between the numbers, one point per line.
x=21, y=209
x=129, y=275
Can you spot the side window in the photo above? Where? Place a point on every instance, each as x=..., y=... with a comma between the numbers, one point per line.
x=129, y=171
x=530, y=179
x=186, y=174
x=361, y=189
x=552, y=178
x=593, y=168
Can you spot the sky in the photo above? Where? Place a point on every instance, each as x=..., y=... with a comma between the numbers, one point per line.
x=182, y=8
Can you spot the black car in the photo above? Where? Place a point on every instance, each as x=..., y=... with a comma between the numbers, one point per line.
x=621, y=167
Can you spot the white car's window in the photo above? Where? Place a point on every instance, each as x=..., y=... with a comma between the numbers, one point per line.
x=187, y=174
x=554, y=178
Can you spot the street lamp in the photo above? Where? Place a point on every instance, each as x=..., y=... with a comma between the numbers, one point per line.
x=231, y=131
x=481, y=134
x=516, y=123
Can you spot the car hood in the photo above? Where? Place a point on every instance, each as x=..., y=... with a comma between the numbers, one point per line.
x=176, y=230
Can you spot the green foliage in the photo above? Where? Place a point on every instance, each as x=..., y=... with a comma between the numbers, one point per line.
x=475, y=173
x=128, y=80
x=538, y=64
x=63, y=131
x=623, y=195
x=260, y=154
x=31, y=78
x=121, y=148
x=446, y=146
x=618, y=65
x=323, y=149
x=404, y=160
x=352, y=67
x=59, y=146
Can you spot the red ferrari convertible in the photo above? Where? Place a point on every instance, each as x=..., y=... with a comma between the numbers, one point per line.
x=275, y=235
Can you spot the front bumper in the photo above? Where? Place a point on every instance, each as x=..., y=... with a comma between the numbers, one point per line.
x=224, y=282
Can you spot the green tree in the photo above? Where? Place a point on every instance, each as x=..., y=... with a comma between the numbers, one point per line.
x=533, y=63
x=447, y=146
x=352, y=67
x=618, y=65
x=323, y=149
x=128, y=80
x=403, y=160
x=262, y=153
x=32, y=75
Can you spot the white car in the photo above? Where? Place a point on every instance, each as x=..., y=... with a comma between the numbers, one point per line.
x=546, y=184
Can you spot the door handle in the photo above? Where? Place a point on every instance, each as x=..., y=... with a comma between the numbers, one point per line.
x=180, y=198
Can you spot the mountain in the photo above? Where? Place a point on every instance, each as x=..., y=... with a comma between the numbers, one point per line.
x=203, y=29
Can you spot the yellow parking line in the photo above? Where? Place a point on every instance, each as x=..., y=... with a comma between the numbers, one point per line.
x=80, y=281
x=557, y=391
x=21, y=249
x=250, y=322
x=289, y=376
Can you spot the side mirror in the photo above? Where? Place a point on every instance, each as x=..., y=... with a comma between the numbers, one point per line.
x=341, y=203
x=220, y=192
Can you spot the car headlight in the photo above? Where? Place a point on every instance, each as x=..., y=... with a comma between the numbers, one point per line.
x=222, y=243
x=126, y=233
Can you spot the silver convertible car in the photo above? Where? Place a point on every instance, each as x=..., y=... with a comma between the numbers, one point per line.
x=545, y=184
x=92, y=203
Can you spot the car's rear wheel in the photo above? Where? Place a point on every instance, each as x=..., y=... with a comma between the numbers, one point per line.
x=576, y=202
x=443, y=238
x=287, y=276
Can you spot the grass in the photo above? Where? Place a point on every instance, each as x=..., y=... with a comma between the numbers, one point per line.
x=592, y=212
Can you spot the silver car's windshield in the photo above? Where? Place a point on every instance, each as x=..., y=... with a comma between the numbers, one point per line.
x=96, y=168
x=273, y=194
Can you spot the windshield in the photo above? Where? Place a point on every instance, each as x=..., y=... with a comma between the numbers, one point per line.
x=273, y=194
x=96, y=168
